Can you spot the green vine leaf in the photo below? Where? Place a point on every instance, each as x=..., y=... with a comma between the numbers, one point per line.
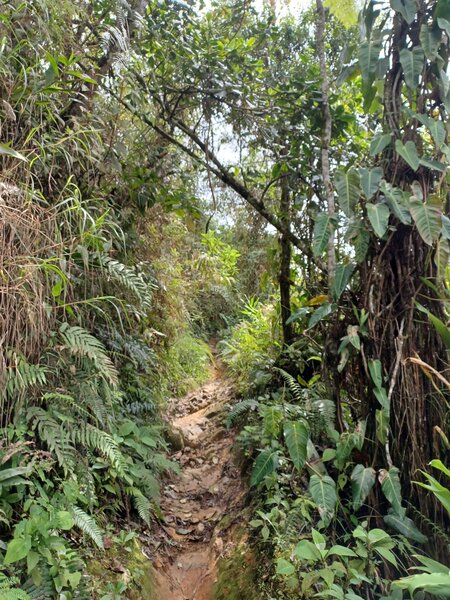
x=370, y=181
x=323, y=492
x=341, y=279
x=429, y=40
x=296, y=434
x=348, y=189
x=363, y=479
x=435, y=127
x=368, y=59
x=391, y=488
x=323, y=311
x=323, y=228
x=407, y=8
x=408, y=152
x=398, y=202
x=265, y=464
x=379, y=143
x=378, y=215
x=427, y=217
x=412, y=63
x=405, y=526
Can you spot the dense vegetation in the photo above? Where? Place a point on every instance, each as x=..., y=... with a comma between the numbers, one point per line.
x=270, y=179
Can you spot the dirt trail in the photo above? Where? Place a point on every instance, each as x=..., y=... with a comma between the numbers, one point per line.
x=204, y=504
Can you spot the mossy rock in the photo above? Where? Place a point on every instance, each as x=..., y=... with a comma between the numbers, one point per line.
x=237, y=574
x=137, y=574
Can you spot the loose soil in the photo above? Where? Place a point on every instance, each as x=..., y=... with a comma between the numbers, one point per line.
x=204, y=506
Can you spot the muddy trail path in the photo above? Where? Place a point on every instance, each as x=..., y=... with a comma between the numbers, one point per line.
x=204, y=505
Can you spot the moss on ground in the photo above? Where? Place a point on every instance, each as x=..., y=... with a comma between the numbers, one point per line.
x=237, y=576
x=136, y=572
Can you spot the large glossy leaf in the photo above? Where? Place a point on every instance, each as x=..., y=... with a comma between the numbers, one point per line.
x=429, y=40
x=370, y=180
x=442, y=257
x=436, y=584
x=368, y=58
x=363, y=479
x=398, y=202
x=391, y=488
x=427, y=217
x=323, y=492
x=266, y=463
x=323, y=228
x=320, y=313
x=405, y=526
x=296, y=435
x=361, y=245
x=435, y=127
x=341, y=279
x=379, y=218
x=379, y=143
x=412, y=63
x=446, y=227
x=408, y=152
x=407, y=8
x=347, y=186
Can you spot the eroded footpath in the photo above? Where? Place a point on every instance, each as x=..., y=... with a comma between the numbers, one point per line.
x=204, y=506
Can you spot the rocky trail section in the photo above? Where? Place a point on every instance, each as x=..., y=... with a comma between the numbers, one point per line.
x=203, y=506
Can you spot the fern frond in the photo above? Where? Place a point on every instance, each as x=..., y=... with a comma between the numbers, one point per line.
x=22, y=375
x=129, y=279
x=79, y=342
x=92, y=437
x=141, y=503
x=239, y=410
x=54, y=435
x=9, y=589
x=88, y=526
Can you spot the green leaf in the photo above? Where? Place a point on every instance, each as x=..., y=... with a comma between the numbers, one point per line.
x=427, y=218
x=434, y=165
x=320, y=313
x=405, y=526
x=341, y=279
x=442, y=257
x=362, y=241
x=323, y=228
x=435, y=127
x=429, y=40
x=376, y=372
x=341, y=551
x=412, y=63
x=296, y=434
x=398, y=202
x=441, y=328
x=7, y=151
x=17, y=549
x=379, y=143
x=382, y=423
x=436, y=584
x=363, y=479
x=386, y=554
x=446, y=227
x=65, y=520
x=391, y=488
x=407, y=8
x=347, y=186
x=323, y=491
x=408, y=152
x=266, y=462
x=444, y=24
x=378, y=215
x=284, y=567
x=368, y=58
x=382, y=397
x=306, y=550
x=370, y=180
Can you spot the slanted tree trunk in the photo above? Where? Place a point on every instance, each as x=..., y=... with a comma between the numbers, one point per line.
x=284, y=277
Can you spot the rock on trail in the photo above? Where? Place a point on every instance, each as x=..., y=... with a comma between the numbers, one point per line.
x=204, y=505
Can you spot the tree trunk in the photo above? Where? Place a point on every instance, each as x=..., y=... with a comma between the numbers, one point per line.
x=285, y=262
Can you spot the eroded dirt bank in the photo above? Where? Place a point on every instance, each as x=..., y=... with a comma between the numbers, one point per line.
x=204, y=506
